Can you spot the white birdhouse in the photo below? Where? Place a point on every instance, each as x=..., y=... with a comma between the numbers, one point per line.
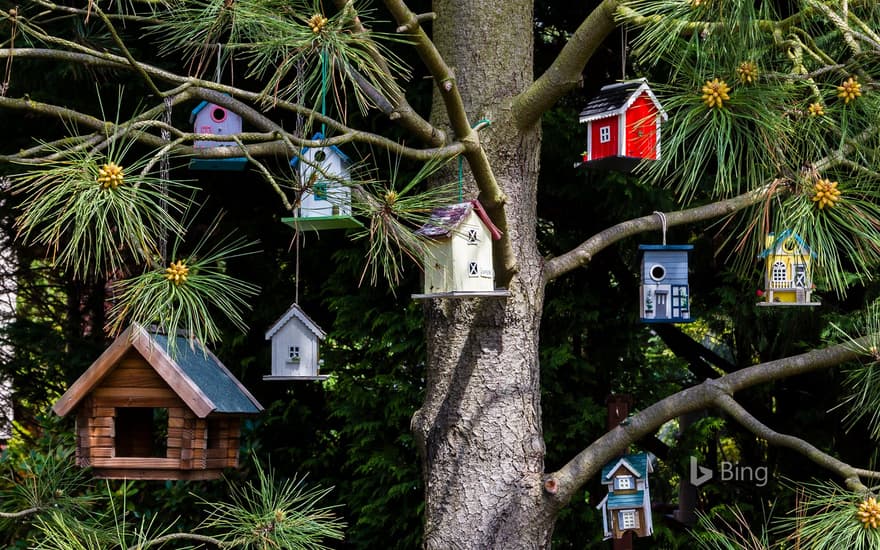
x=458, y=261
x=295, y=347
x=325, y=198
x=208, y=118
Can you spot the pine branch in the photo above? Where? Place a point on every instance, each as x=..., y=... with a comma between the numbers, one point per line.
x=566, y=70
x=562, y=484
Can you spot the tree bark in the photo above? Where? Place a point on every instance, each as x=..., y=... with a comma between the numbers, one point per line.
x=479, y=429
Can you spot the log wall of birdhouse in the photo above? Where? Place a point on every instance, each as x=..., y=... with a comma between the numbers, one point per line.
x=194, y=448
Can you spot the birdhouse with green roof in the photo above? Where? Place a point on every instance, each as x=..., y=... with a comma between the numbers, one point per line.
x=144, y=412
x=323, y=178
x=627, y=506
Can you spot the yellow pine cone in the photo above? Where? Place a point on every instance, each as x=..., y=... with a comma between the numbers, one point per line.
x=110, y=176
x=849, y=90
x=816, y=109
x=715, y=93
x=177, y=272
x=869, y=513
x=748, y=72
x=827, y=193
x=317, y=22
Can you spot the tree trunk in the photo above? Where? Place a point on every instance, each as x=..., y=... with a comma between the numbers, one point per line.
x=479, y=429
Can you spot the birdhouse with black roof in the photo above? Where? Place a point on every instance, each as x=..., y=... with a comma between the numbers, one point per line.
x=323, y=175
x=623, y=126
x=143, y=412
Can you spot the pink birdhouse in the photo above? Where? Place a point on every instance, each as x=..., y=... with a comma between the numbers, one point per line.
x=623, y=125
x=208, y=118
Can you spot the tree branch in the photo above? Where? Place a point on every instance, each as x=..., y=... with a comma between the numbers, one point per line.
x=565, y=72
x=849, y=474
x=572, y=476
x=584, y=253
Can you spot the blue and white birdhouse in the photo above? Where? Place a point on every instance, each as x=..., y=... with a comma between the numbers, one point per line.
x=208, y=118
x=295, y=347
x=627, y=507
x=664, y=295
x=323, y=176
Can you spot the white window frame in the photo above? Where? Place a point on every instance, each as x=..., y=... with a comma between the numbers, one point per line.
x=624, y=483
x=779, y=272
x=605, y=134
x=472, y=236
x=473, y=269
x=293, y=354
x=628, y=519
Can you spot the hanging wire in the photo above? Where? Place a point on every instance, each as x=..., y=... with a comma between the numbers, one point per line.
x=296, y=273
x=218, y=67
x=323, y=91
x=662, y=217
x=623, y=42
x=164, y=176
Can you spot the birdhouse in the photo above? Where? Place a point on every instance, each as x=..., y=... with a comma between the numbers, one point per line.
x=325, y=197
x=458, y=259
x=295, y=347
x=142, y=413
x=208, y=118
x=623, y=126
x=664, y=296
x=627, y=506
x=787, y=272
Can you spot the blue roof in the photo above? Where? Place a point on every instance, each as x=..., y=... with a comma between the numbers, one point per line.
x=629, y=500
x=636, y=462
x=318, y=137
x=198, y=108
x=211, y=377
x=666, y=247
x=782, y=236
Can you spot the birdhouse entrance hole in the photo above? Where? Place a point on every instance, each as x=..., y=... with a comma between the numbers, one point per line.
x=141, y=432
x=218, y=114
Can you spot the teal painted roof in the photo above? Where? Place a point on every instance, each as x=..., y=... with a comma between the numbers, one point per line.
x=638, y=463
x=206, y=372
x=781, y=237
x=631, y=500
x=666, y=247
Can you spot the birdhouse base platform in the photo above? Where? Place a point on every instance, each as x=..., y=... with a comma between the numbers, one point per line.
x=317, y=223
x=236, y=164
x=271, y=378
x=499, y=293
x=613, y=163
x=789, y=304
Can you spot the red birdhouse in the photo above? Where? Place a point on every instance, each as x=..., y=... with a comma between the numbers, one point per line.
x=623, y=125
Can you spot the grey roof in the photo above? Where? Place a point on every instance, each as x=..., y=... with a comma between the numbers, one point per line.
x=613, y=99
x=445, y=219
x=637, y=463
x=209, y=375
x=295, y=311
x=629, y=500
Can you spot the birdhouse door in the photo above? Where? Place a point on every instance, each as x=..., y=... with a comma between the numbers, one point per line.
x=660, y=298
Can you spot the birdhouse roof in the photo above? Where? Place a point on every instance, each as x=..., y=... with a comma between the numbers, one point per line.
x=318, y=137
x=295, y=312
x=666, y=247
x=444, y=220
x=778, y=239
x=614, y=99
x=638, y=464
x=628, y=500
x=195, y=374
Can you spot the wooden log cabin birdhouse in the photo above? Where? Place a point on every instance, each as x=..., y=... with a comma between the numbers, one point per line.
x=787, y=271
x=664, y=293
x=623, y=126
x=325, y=197
x=295, y=347
x=627, y=506
x=458, y=259
x=209, y=118
x=141, y=414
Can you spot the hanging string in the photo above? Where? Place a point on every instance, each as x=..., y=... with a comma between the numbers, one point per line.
x=323, y=91
x=164, y=176
x=296, y=272
x=623, y=42
x=218, y=67
x=662, y=217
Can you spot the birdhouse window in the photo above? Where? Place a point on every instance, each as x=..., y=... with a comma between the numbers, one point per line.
x=628, y=519
x=472, y=237
x=293, y=354
x=657, y=272
x=473, y=269
x=623, y=483
x=780, y=274
x=218, y=114
x=140, y=432
x=321, y=190
x=604, y=134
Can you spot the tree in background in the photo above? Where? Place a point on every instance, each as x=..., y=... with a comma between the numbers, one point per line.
x=773, y=110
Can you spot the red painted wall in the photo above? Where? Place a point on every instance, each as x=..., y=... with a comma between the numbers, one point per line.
x=641, y=128
x=602, y=150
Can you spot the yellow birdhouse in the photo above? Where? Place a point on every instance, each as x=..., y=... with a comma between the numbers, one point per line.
x=787, y=273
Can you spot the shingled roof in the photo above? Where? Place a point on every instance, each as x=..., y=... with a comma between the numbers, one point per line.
x=444, y=220
x=613, y=99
